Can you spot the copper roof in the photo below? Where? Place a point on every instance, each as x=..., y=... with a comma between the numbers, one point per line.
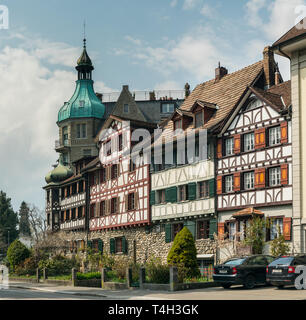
x=248, y=212
x=296, y=31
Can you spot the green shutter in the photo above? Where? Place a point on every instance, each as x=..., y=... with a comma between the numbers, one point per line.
x=192, y=191
x=100, y=245
x=89, y=244
x=168, y=233
x=171, y=194
x=152, y=198
x=124, y=245
x=191, y=225
x=112, y=245
x=212, y=228
x=211, y=187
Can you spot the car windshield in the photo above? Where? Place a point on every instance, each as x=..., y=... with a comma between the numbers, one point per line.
x=234, y=262
x=284, y=261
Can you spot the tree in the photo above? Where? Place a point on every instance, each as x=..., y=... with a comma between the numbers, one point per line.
x=17, y=253
x=183, y=253
x=278, y=245
x=8, y=220
x=24, y=224
x=255, y=234
x=37, y=223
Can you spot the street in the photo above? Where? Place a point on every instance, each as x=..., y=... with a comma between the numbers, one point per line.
x=31, y=292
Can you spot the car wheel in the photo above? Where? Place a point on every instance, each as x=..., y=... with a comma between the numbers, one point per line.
x=249, y=282
x=226, y=285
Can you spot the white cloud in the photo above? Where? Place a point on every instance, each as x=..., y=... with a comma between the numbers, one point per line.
x=253, y=7
x=31, y=95
x=169, y=85
x=173, y=3
x=133, y=40
x=207, y=11
x=189, y=4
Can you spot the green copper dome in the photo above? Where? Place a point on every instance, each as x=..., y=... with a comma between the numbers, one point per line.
x=84, y=103
x=59, y=173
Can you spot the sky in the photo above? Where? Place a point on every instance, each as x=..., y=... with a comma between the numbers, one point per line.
x=159, y=44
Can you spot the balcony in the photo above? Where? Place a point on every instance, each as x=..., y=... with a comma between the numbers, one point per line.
x=62, y=145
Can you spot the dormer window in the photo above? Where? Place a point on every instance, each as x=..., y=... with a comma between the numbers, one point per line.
x=126, y=108
x=82, y=103
x=199, y=119
x=167, y=107
x=178, y=124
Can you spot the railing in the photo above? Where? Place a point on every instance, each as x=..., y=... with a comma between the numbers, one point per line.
x=59, y=144
x=145, y=95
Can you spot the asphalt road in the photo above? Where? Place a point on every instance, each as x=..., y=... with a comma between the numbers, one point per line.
x=234, y=293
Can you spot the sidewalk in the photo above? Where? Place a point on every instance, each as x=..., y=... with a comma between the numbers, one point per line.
x=92, y=292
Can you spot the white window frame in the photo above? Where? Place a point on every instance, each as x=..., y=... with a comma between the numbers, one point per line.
x=274, y=136
x=249, y=142
x=278, y=222
x=229, y=183
x=232, y=230
x=274, y=176
x=229, y=146
x=248, y=180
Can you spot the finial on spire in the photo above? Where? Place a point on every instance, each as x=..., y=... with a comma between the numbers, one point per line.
x=84, y=40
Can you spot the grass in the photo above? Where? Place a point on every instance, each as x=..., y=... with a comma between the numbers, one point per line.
x=62, y=277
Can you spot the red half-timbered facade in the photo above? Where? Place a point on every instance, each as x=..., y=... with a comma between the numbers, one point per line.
x=254, y=163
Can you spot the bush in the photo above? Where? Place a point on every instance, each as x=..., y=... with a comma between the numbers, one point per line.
x=279, y=247
x=255, y=234
x=119, y=267
x=58, y=265
x=88, y=276
x=157, y=272
x=28, y=267
x=17, y=253
x=183, y=255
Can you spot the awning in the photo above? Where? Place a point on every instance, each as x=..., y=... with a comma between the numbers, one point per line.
x=205, y=256
x=248, y=212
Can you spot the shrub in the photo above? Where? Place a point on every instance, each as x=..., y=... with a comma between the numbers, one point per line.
x=28, y=267
x=183, y=254
x=279, y=247
x=255, y=234
x=135, y=271
x=58, y=265
x=157, y=272
x=119, y=267
x=17, y=253
x=88, y=276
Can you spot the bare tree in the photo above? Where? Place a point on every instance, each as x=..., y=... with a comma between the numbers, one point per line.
x=37, y=223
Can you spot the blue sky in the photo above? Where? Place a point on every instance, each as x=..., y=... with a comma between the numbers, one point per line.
x=159, y=44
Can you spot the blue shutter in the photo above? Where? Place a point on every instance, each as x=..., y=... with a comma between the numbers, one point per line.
x=124, y=245
x=171, y=194
x=100, y=245
x=212, y=228
x=211, y=187
x=168, y=233
x=112, y=245
x=152, y=198
x=192, y=191
x=191, y=225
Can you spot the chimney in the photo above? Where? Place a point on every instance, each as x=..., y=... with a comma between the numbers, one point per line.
x=269, y=67
x=99, y=95
x=125, y=87
x=152, y=95
x=220, y=72
x=277, y=75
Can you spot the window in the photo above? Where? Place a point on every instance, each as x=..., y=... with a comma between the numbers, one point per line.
x=120, y=142
x=254, y=103
x=81, y=131
x=199, y=119
x=229, y=146
x=102, y=208
x=160, y=196
x=274, y=136
x=132, y=165
x=274, y=176
x=103, y=175
x=182, y=193
x=82, y=103
x=65, y=136
x=118, y=245
x=248, y=180
x=131, y=201
x=126, y=108
x=73, y=211
x=176, y=228
x=108, y=148
x=248, y=141
x=65, y=159
x=178, y=124
x=231, y=230
x=203, y=189
x=114, y=205
x=243, y=225
x=276, y=228
x=167, y=107
x=203, y=229
x=62, y=216
x=80, y=212
x=114, y=171
x=81, y=186
x=229, y=183
x=92, y=210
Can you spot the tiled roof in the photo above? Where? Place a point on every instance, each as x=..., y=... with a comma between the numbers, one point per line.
x=284, y=90
x=248, y=212
x=296, y=31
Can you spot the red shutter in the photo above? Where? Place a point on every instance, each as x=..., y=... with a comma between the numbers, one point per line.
x=221, y=229
x=260, y=138
x=284, y=131
x=260, y=178
x=237, y=181
x=219, y=184
x=219, y=148
x=287, y=228
x=284, y=173
x=237, y=143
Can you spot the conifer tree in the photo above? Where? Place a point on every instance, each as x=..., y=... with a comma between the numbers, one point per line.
x=24, y=224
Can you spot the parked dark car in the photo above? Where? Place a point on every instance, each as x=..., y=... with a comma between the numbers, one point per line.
x=281, y=272
x=247, y=271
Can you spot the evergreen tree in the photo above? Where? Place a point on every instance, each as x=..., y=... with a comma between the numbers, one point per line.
x=183, y=254
x=8, y=220
x=24, y=224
